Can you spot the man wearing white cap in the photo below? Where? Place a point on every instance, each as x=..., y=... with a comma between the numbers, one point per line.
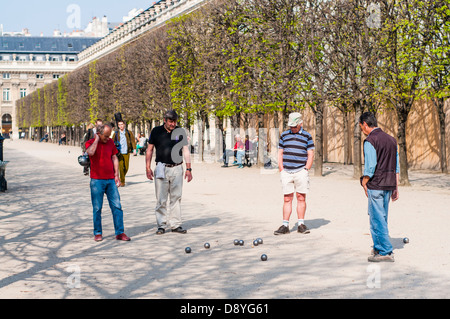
x=295, y=158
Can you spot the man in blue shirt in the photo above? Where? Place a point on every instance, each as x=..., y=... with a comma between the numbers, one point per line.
x=127, y=143
x=380, y=183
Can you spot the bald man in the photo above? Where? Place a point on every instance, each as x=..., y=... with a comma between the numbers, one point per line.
x=105, y=180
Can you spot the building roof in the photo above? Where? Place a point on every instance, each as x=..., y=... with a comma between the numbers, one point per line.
x=56, y=45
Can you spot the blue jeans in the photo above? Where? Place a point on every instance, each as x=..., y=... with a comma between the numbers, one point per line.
x=100, y=187
x=378, y=212
x=240, y=155
x=226, y=156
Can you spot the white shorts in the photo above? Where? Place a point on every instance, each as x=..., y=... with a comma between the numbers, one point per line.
x=296, y=182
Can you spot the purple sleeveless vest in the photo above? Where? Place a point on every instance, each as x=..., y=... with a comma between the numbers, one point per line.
x=385, y=145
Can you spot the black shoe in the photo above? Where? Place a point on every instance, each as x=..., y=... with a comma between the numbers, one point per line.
x=303, y=229
x=225, y=165
x=179, y=230
x=160, y=231
x=282, y=230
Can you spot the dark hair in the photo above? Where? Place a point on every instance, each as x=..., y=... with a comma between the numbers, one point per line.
x=171, y=115
x=369, y=118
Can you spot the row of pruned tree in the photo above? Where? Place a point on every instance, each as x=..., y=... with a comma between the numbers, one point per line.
x=133, y=80
x=239, y=57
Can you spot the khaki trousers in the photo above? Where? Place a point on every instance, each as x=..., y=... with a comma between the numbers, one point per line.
x=168, y=215
x=124, y=164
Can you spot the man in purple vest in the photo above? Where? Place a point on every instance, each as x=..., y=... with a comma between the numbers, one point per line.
x=380, y=183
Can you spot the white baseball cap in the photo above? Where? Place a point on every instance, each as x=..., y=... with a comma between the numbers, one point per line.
x=295, y=119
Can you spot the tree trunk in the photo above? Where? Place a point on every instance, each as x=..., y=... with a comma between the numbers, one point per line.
x=262, y=140
x=246, y=123
x=202, y=118
x=150, y=127
x=357, y=152
x=285, y=118
x=347, y=146
x=403, y=152
x=439, y=103
x=318, y=153
x=200, y=139
x=220, y=139
x=207, y=134
x=235, y=122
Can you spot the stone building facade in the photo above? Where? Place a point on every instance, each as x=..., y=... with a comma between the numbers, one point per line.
x=28, y=63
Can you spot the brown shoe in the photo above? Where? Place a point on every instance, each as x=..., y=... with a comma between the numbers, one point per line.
x=380, y=258
x=123, y=237
x=303, y=229
x=282, y=230
x=98, y=238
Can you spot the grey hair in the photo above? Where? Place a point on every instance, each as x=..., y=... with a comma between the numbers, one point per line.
x=369, y=118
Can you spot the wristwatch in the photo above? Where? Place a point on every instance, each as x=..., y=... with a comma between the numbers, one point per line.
x=189, y=169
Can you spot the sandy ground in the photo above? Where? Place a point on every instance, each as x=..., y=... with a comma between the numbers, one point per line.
x=47, y=247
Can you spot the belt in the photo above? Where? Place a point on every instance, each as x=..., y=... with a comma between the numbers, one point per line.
x=172, y=165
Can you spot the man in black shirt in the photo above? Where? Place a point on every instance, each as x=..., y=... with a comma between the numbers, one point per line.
x=171, y=144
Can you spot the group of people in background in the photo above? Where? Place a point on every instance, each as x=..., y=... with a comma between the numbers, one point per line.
x=242, y=152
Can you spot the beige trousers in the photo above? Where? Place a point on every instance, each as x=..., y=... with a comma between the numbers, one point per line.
x=168, y=215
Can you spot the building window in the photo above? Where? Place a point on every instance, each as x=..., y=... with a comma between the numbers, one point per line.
x=39, y=76
x=23, y=93
x=6, y=95
x=21, y=45
x=70, y=45
x=5, y=45
x=6, y=76
x=22, y=58
x=38, y=46
x=56, y=76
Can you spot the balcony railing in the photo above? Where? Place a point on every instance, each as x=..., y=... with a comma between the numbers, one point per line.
x=155, y=15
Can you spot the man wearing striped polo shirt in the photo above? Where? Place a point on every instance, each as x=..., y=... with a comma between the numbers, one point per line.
x=295, y=158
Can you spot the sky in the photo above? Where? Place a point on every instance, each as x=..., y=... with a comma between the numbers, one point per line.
x=66, y=15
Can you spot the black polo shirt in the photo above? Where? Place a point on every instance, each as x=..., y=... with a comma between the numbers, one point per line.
x=169, y=145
